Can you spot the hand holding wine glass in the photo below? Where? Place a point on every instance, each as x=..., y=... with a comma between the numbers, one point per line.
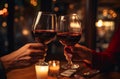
x=44, y=29
x=69, y=32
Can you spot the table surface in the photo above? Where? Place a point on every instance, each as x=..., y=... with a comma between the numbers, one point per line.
x=29, y=73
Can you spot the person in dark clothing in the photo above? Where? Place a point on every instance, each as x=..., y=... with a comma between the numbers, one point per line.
x=108, y=60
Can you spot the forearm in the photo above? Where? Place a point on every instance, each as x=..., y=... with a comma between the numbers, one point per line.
x=7, y=61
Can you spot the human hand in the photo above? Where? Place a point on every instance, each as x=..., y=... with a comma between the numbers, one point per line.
x=24, y=56
x=79, y=52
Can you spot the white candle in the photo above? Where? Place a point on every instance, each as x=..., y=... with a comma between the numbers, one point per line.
x=41, y=71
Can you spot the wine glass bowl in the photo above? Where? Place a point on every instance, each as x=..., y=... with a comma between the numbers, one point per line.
x=69, y=32
x=44, y=29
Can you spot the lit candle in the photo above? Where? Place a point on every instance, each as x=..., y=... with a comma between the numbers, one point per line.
x=41, y=70
x=54, y=67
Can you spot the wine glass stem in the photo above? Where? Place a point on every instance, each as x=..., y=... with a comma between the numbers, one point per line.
x=68, y=55
x=44, y=53
x=70, y=62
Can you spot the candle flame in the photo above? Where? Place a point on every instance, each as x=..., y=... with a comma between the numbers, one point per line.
x=54, y=64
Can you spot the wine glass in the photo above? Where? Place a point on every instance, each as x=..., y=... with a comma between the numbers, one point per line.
x=44, y=30
x=69, y=32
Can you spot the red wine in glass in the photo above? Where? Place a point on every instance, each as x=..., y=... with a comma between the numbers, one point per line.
x=43, y=29
x=69, y=39
x=44, y=36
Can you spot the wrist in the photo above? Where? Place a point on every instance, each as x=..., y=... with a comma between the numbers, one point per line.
x=6, y=62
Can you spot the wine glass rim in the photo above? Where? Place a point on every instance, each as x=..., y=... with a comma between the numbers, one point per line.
x=47, y=13
x=70, y=14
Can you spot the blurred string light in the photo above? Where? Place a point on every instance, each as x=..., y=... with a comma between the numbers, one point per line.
x=106, y=18
x=107, y=13
x=4, y=11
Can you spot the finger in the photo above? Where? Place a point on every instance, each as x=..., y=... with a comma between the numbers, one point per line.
x=36, y=51
x=28, y=52
x=24, y=58
x=34, y=45
x=38, y=54
x=82, y=48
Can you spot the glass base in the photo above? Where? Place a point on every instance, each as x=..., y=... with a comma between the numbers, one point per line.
x=68, y=66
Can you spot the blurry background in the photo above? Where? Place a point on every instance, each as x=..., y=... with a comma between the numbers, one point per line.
x=99, y=19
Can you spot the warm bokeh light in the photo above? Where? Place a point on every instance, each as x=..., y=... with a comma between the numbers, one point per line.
x=21, y=18
x=16, y=19
x=99, y=23
x=4, y=11
x=4, y=24
x=114, y=15
x=1, y=12
x=105, y=12
x=16, y=7
x=56, y=9
x=54, y=0
x=108, y=25
x=25, y=32
x=6, y=5
x=111, y=11
x=33, y=2
x=71, y=6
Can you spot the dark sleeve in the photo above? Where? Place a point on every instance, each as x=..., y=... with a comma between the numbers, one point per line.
x=2, y=45
x=2, y=71
x=109, y=58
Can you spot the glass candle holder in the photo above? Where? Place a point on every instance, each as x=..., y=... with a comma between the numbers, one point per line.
x=41, y=69
x=54, y=67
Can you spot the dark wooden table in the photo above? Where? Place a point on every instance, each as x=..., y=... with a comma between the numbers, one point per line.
x=29, y=73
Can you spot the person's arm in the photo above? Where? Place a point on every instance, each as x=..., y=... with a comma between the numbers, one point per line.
x=97, y=60
x=14, y=59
